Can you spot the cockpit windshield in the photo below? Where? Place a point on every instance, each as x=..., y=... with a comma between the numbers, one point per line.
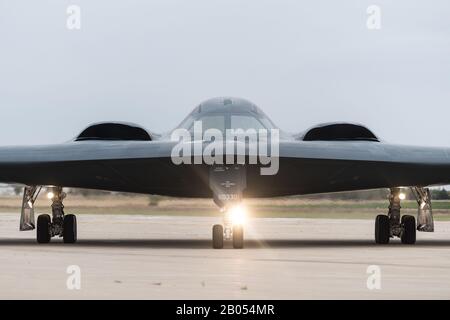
x=227, y=113
x=226, y=121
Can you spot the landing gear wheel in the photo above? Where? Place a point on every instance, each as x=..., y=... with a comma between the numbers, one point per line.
x=238, y=237
x=217, y=235
x=43, y=229
x=382, y=229
x=70, y=229
x=409, y=230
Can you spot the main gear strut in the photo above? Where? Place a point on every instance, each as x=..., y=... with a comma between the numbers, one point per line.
x=30, y=195
x=425, y=221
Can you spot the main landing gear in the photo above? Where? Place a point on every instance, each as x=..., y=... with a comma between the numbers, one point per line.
x=404, y=227
x=232, y=228
x=59, y=224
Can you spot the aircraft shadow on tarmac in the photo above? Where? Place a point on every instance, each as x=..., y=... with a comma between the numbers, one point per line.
x=206, y=244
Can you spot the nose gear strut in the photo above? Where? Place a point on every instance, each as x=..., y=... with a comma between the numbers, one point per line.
x=227, y=183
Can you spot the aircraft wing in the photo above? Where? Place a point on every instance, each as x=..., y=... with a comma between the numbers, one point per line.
x=146, y=167
x=128, y=166
x=333, y=166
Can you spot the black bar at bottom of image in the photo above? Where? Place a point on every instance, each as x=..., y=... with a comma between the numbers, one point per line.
x=228, y=309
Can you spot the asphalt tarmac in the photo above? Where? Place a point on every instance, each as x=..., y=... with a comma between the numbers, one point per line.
x=140, y=257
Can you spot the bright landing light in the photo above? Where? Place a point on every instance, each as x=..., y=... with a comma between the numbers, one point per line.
x=50, y=195
x=238, y=214
x=402, y=196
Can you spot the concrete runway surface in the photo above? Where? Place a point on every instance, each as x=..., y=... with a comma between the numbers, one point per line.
x=139, y=257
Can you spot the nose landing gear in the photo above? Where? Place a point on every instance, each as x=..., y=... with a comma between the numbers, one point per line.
x=230, y=230
x=227, y=183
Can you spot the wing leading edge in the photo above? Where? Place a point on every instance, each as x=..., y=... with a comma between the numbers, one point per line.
x=146, y=167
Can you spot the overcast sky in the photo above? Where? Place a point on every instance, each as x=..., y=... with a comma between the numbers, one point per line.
x=152, y=62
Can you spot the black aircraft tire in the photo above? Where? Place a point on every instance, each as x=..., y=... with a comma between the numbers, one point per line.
x=70, y=229
x=238, y=237
x=43, y=229
x=217, y=236
x=382, y=229
x=409, y=230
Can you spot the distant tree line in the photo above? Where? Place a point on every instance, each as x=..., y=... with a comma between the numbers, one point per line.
x=441, y=194
x=378, y=194
x=88, y=192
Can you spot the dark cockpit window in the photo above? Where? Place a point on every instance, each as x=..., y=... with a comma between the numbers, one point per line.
x=223, y=122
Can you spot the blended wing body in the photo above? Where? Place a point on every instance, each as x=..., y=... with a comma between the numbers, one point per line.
x=305, y=167
x=125, y=157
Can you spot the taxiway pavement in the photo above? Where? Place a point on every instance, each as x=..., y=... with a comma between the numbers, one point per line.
x=144, y=257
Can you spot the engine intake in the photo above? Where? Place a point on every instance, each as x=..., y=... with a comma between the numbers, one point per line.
x=114, y=131
x=339, y=132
